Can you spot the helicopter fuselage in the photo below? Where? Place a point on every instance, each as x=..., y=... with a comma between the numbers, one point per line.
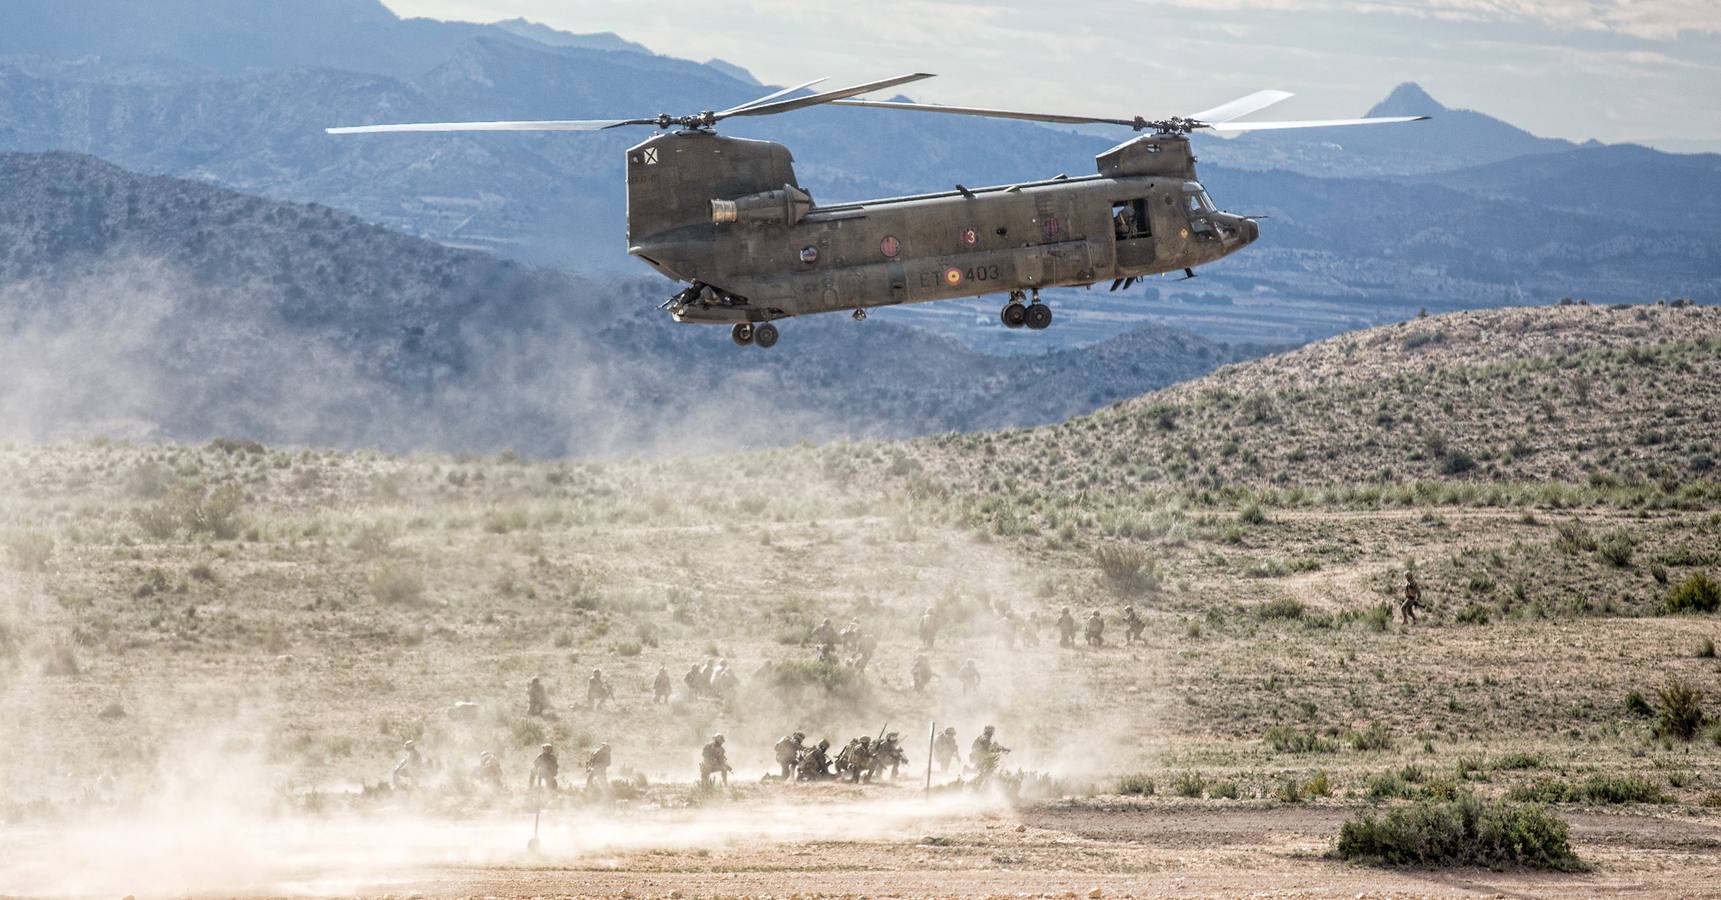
x=763, y=250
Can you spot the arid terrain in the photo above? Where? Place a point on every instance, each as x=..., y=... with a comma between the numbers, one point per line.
x=211, y=655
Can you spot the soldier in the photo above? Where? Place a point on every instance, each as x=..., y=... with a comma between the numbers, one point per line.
x=1066, y=629
x=1133, y=625
x=850, y=635
x=1096, y=630
x=706, y=673
x=928, y=629
x=789, y=750
x=856, y=759
x=544, y=770
x=406, y=771
x=887, y=752
x=597, y=692
x=660, y=685
x=816, y=763
x=724, y=681
x=714, y=760
x=1412, y=599
x=921, y=673
x=984, y=755
x=691, y=679
x=970, y=677
x=537, y=699
x=825, y=634
x=944, y=750
x=488, y=773
x=868, y=644
x=828, y=654
x=598, y=771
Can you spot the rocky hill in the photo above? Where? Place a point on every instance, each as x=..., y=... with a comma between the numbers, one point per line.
x=1604, y=396
x=153, y=306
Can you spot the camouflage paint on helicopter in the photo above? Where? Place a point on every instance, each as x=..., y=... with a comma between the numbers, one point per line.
x=727, y=216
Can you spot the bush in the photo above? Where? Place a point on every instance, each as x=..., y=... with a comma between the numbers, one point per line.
x=1386, y=786
x=1128, y=571
x=1285, y=739
x=1699, y=593
x=1282, y=608
x=1189, y=784
x=1223, y=790
x=1681, y=714
x=1135, y=786
x=1616, y=548
x=1372, y=738
x=1378, y=616
x=397, y=585
x=1635, y=705
x=1706, y=650
x=1474, y=614
x=1466, y=831
x=1597, y=789
x=797, y=677
x=1518, y=760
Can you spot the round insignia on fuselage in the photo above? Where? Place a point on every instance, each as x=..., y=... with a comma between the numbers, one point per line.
x=890, y=246
x=953, y=276
x=809, y=254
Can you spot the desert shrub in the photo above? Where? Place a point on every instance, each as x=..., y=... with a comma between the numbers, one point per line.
x=1252, y=515
x=1127, y=571
x=1474, y=614
x=216, y=513
x=1616, y=548
x=1286, y=739
x=1319, y=786
x=1465, y=831
x=1374, y=737
x=1189, y=784
x=1681, y=711
x=1377, y=617
x=1518, y=760
x=1597, y=789
x=798, y=677
x=1290, y=791
x=1456, y=462
x=1635, y=705
x=397, y=585
x=1706, y=649
x=1386, y=786
x=1135, y=786
x=1699, y=593
x=28, y=551
x=1223, y=790
x=1574, y=538
x=1281, y=608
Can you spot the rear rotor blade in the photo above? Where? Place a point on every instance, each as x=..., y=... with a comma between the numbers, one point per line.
x=769, y=97
x=1242, y=106
x=1059, y=118
x=766, y=109
x=564, y=125
x=1316, y=123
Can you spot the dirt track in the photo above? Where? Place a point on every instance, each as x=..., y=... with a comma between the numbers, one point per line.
x=1176, y=850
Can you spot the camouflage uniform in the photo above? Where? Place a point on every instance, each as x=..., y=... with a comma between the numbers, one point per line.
x=597, y=692
x=1133, y=624
x=816, y=763
x=1066, y=629
x=856, y=759
x=789, y=751
x=1096, y=630
x=598, y=769
x=825, y=634
x=537, y=699
x=661, y=685
x=544, y=769
x=984, y=755
x=714, y=760
x=887, y=752
x=944, y=750
x=1412, y=599
x=488, y=774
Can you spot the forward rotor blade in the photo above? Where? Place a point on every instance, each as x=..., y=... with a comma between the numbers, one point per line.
x=990, y=113
x=766, y=109
x=1242, y=106
x=565, y=125
x=769, y=97
x=1317, y=123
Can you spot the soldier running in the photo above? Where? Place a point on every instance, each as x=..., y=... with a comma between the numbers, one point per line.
x=1133, y=625
x=660, y=685
x=970, y=677
x=406, y=771
x=944, y=750
x=887, y=752
x=1412, y=599
x=544, y=770
x=598, y=771
x=714, y=760
x=1066, y=629
x=789, y=750
x=984, y=755
x=597, y=692
x=921, y=674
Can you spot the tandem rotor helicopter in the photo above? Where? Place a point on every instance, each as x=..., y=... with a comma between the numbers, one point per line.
x=727, y=216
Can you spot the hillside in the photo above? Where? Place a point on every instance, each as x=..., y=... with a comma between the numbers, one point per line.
x=1570, y=394
x=184, y=310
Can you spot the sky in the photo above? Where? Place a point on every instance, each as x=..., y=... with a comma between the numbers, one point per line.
x=1645, y=71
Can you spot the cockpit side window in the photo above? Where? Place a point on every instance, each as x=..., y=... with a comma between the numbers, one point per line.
x=1195, y=199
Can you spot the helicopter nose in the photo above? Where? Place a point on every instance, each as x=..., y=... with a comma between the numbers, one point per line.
x=1251, y=231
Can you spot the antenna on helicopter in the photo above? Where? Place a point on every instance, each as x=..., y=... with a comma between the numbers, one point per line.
x=768, y=105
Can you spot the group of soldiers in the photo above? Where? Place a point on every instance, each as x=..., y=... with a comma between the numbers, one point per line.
x=598, y=692
x=865, y=758
x=716, y=679
x=1095, y=628
x=487, y=773
x=856, y=642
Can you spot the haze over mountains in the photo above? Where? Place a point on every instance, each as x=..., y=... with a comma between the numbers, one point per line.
x=1366, y=225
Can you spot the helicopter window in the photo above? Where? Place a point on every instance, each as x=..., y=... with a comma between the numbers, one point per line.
x=1196, y=200
x=1129, y=219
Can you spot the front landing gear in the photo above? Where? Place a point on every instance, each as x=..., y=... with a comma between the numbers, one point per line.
x=1034, y=315
x=746, y=333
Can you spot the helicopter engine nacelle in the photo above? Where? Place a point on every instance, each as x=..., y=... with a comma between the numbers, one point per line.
x=1166, y=155
x=788, y=205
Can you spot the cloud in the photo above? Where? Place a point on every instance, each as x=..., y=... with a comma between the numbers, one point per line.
x=1648, y=19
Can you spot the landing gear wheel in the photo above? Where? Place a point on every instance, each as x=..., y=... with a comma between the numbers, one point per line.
x=742, y=334
x=1039, y=316
x=1014, y=315
x=765, y=335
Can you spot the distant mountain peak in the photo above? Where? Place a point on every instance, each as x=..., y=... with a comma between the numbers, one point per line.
x=1408, y=99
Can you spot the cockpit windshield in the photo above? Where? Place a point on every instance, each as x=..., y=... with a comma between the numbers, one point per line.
x=1195, y=199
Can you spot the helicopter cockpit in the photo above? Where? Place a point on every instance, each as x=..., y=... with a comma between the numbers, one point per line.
x=1200, y=209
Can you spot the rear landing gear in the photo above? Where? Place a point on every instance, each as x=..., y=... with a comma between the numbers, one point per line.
x=747, y=334
x=1039, y=315
x=1013, y=315
x=1034, y=315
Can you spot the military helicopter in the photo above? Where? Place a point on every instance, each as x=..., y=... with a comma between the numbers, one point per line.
x=727, y=216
